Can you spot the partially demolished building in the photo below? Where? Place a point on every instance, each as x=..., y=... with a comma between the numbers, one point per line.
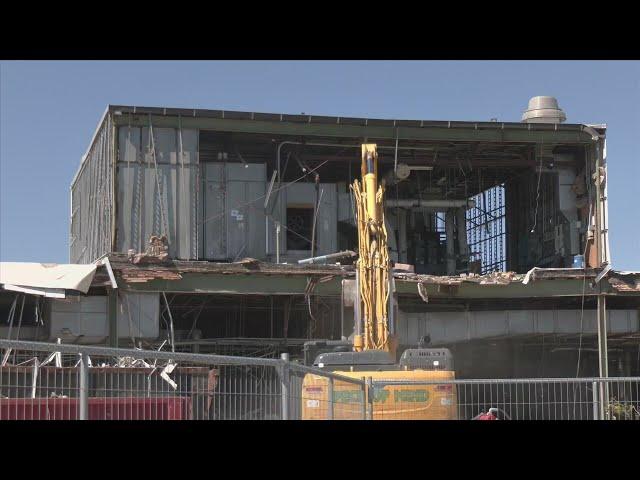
x=197, y=220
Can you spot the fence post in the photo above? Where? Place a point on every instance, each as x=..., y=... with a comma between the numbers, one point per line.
x=284, y=381
x=596, y=408
x=330, y=400
x=370, y=397
x=604, y=401
x=364, y=398
x=83, y=406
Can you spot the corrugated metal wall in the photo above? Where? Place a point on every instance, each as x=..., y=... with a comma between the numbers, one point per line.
x=91, y=199
x=233, y=211
x=158, y=178
x=450, y=327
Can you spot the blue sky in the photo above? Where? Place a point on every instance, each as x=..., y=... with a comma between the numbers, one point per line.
x=49, y=110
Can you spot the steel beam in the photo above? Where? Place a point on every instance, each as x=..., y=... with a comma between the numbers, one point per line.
x=246, y=284
x=539, y=288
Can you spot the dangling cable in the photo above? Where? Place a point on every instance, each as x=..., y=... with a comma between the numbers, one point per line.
x=535, y=218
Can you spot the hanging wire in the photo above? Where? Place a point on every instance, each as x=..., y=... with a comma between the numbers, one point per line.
x=535, y=218
x=164, y=225
x=263, y=196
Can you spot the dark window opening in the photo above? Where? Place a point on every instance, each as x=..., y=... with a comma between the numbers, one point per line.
x=299, y=227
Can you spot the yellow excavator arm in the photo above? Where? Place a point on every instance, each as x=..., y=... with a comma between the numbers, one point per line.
x=373, y=263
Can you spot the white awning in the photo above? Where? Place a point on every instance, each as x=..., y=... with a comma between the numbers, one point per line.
x=49, y=279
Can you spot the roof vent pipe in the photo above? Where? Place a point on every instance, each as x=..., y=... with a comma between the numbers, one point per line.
x=543, y=110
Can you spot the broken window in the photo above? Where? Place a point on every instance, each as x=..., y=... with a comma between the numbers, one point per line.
x=486, y=232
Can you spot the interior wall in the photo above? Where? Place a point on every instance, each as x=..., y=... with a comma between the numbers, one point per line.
x=523, y=358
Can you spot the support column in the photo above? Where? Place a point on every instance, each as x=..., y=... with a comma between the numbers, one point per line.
x=83, y=387
x=402, y=235
x=451, y=256
x=461, y=222
x=603, y=357
x=284, y=387
x=112, y=315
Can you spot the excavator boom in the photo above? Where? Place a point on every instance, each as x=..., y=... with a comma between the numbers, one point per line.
x=373, y=263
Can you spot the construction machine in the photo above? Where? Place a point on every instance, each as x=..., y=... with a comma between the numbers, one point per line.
x=373, y=352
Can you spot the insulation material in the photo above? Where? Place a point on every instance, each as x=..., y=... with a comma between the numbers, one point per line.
x=158, y=189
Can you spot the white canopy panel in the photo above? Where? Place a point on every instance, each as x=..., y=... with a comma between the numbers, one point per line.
x=47, y=276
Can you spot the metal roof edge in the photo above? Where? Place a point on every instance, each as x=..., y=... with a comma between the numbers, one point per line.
x=339, y=120
x=93, y=139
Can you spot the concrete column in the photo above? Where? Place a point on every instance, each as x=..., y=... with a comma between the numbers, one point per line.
x=603, y=356
x=402, y=235
x=451, y=259
x=461, y=222
x=112, y=313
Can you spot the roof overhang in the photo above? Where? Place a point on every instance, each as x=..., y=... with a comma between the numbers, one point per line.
x=372, y=128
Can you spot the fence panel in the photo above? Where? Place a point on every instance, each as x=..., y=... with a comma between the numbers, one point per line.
x=510, y=399
x=43, y=381
x=69, y=382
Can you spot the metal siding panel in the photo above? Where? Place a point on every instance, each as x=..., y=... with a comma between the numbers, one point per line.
x=544, y=321
x=436, y=328
x=151, y=221
x=138, y=315
x=619, y=321
x=567, y=321
x=277, y=214
x=327, y=220
x=450, y=327
x=142, y=213
x=252, y=172
x=128, y=189
x=86, y=316
x=214, y=216
x=213, y=172
x=186, y=212
x=402, y=320
x=236, y=214
x=520, y=321
x=455, y=325
x=489, y=324
x=256, y=223
x=166, y=157
x=93, y=190
x=413, y=329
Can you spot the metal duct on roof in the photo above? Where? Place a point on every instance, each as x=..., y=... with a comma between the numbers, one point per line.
x=543, y=110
